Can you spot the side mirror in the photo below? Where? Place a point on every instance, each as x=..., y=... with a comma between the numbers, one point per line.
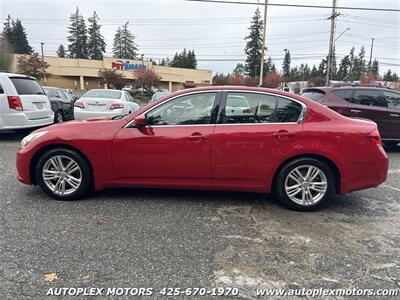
x=140, y=121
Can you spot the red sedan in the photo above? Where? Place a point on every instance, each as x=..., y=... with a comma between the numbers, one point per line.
x=222, y=138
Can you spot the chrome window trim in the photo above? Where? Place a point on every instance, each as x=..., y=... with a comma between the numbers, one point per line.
x=299, y=121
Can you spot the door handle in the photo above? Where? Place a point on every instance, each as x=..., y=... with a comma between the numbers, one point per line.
x=356, y=111
x=283, y=134
x=394, y=115
x=197, y=136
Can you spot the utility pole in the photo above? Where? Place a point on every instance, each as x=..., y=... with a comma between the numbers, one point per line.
x=263, y=44
x=43, y=70
x=333, y=16
x=370, y=55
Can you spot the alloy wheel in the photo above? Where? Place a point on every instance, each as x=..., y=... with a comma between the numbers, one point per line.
x=62, y=175
x=306, y=185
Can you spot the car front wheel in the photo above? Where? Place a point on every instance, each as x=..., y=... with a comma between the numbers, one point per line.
x=305, y=183
x=63, y=174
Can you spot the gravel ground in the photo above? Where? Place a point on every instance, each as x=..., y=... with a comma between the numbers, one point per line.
x=187, y=239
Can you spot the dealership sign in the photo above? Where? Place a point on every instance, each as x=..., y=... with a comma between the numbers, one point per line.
x=125, y=65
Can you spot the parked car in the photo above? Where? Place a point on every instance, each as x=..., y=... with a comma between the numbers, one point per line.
x=62, y=104
x=302, y=151
x=380, y=105
x=23, y=103
x=158, y=95
x=104, y=103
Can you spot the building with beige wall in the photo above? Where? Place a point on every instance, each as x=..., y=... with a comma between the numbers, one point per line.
x=82, y=74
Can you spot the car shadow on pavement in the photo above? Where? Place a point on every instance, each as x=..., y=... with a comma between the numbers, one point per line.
x=14, y=135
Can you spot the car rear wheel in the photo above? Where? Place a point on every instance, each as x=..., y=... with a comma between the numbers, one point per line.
x=58, y=117
x=304, y=184
x=64, y=174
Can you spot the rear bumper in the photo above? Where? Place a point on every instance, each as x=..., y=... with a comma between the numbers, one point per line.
x=24, y=157
x=359, y=175
x=20, y=121
x=80, y=114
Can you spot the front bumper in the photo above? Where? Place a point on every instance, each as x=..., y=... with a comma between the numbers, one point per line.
x=24, y=158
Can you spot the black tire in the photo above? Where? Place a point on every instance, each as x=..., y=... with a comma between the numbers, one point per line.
x=280, y=190
x=391, y=145
x=86, y=174
x=58, y=117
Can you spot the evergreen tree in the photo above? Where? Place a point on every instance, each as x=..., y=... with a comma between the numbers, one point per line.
x=124, y=43
x=16, y=36
x=78, y=36
x=254, y=45
x=286, y=65
x=344, y=68
x=96, y=44
x=359, y=65
x=185, y=59
x=389, y=76
x=375, y=67
x=20, y=41
x=61, y=51
x=8, y=30
x=239, y=69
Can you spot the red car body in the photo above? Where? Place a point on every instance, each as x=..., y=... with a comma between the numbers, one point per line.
x=243, y=157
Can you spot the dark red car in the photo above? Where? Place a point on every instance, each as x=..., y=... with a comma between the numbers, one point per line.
x=222, y=138
x=380, y=105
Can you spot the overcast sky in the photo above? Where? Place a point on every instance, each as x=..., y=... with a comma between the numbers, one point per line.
x=217, y=31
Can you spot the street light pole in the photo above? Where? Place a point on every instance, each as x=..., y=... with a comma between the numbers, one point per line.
x=264, y=41
x=43, y=69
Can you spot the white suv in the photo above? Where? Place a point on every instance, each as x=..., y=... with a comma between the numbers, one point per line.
x=23, y=103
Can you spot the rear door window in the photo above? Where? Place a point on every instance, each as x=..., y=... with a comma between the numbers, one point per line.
x=27, y=86
x=315, y=95
x=343, y=94
x=248, y=108
x=392, y=99
x=368, y=98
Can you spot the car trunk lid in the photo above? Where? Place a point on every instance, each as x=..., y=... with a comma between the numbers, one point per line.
x=97, y=104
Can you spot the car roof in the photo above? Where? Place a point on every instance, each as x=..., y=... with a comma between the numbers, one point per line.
x=6, y=74
x=355, y=87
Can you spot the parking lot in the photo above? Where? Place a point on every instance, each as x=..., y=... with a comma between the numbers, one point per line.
x=187, y=239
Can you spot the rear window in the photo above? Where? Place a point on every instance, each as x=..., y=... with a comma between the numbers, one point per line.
x=315, y=95
x=27, y=86
x=106, y=94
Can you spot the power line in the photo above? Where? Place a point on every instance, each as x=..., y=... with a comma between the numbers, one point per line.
x=297, y=5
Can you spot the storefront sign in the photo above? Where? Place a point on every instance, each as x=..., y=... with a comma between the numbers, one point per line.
x=125, y=65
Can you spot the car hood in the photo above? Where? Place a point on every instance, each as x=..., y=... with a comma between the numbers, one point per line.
x=83, y=126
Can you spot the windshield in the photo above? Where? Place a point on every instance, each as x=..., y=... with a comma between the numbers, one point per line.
x=105, y=94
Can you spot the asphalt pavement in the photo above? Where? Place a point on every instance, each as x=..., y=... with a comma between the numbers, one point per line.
x=131, y=238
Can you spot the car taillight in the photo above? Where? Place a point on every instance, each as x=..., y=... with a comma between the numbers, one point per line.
x=116, y=106
x=14, y=102
x=247, y=111
x=79, y=104
x=375, y=137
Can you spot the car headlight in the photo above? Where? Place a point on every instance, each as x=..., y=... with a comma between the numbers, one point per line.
x=31, y=137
